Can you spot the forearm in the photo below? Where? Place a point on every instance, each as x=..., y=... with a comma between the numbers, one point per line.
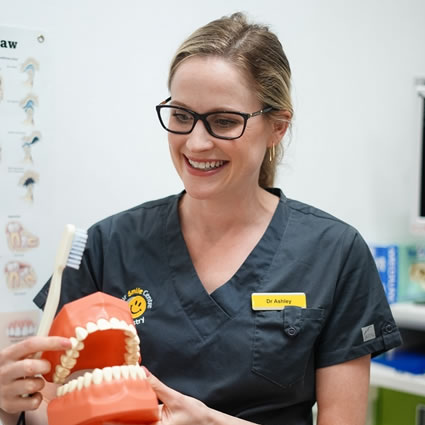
x=219, y=418
x=339, y=403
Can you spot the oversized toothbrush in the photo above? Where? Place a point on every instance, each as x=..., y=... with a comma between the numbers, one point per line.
x=69, y=254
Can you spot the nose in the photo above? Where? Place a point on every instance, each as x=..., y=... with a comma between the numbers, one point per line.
x=199, y=139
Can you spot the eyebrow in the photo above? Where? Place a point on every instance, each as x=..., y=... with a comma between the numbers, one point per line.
x=183, y=105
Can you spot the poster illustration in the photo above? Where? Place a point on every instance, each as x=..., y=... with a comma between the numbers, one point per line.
x=23, y=81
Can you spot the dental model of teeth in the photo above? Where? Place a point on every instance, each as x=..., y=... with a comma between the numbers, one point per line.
x=69, y=359
x=100, y=378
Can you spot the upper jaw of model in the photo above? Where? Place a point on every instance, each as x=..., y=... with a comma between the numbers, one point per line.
x=102, y=334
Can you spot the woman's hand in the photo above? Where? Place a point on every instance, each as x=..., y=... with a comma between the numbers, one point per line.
x=179, y=409
x=19, y=372
x=176, y=408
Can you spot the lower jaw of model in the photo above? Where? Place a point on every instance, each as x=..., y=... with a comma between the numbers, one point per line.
x=105, y=352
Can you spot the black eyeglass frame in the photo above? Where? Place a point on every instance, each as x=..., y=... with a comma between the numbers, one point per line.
x=203, y=118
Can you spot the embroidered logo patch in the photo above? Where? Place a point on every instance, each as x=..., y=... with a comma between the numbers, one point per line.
x=368, y=333
x=139, y=300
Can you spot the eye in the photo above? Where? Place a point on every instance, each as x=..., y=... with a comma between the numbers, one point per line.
x=181, y=116
x=225, y=121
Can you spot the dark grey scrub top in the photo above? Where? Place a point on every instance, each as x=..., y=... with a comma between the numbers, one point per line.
x=257, y=365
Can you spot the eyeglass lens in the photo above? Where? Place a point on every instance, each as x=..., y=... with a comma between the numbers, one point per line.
x=222, y=124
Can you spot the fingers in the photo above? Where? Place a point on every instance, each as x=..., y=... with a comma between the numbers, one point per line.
x=33, y=345
x=17, y=362
x=12, y=400
x=23, y=368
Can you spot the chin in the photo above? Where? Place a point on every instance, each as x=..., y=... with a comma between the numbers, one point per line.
x=100, y=378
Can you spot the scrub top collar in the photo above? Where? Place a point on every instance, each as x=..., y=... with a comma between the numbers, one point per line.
x=208, y=312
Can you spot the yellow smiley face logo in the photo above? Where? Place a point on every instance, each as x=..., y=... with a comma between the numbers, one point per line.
x=137, y=306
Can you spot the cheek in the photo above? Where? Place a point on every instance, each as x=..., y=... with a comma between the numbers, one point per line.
x=175, y=143
x=174, y=147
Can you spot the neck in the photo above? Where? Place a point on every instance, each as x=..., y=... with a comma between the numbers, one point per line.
x=210, y=217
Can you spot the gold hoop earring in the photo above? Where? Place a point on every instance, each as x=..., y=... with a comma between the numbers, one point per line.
x=272, y=153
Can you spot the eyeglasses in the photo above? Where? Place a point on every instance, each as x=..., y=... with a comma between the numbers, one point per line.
x=220, y=124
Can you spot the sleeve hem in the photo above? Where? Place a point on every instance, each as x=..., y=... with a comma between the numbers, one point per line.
x=375, y=347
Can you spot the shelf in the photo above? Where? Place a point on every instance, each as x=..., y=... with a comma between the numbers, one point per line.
x=409, y=315
x=387, y=377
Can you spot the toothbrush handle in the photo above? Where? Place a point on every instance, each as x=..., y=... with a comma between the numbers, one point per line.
x=51, y=306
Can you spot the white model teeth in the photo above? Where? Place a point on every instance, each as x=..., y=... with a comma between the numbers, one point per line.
x=69, y=359
x=103, y=325
x=75, y=344
x=91, y=327
x=81, y=333
x=208, y=165
x=98, y=376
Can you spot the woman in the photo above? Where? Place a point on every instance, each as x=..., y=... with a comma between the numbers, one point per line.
x=215, y=257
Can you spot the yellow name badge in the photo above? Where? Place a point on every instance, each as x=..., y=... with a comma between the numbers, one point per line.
x=277, y=300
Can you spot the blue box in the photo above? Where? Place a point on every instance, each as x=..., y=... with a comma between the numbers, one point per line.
x=402, y=271
x=403, y=360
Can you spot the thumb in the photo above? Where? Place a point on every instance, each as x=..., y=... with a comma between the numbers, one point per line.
x=162, y=391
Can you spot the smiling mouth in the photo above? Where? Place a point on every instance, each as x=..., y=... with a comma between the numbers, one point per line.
x=205, y=165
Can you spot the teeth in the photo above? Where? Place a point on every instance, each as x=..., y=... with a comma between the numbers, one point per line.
x=67, y=362
x=74, y=354
x=57, y=380
x=72, y=385
x=115, y=323
x=100, y=376
x=75, y=344
x=116, y=372
x=132, y=349
x=103, y=324
x=65, y=388
x=80, y=382
x=208, y=165
x=69, y=359
x=133, y=371
x=107, y=374
x=91, y=327
x=97, y=376
x=61, y=372
x=123, y=325
x=131, y=331
x=81, y=333
x=86, y=379
x=131, y=359
x=125, y=372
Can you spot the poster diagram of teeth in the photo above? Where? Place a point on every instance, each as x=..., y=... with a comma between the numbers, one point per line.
x=24, y=62
x=15, y=327
x=19, y=276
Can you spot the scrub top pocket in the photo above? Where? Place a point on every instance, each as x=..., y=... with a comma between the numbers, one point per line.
x=284, y=341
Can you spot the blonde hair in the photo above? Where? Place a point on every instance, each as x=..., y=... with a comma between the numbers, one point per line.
x=258, y=53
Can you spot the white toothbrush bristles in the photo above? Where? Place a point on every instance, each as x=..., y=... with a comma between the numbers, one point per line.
x=78, y=245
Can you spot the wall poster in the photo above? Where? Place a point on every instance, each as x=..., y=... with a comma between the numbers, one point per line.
x=23, y=218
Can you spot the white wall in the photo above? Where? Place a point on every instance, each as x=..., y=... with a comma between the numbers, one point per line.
x=353, y=150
